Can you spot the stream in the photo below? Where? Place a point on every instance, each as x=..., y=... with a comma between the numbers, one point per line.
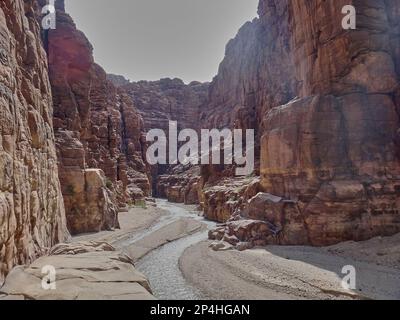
x=161, y=266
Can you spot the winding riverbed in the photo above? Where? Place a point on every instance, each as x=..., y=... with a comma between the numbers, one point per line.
x=161, y=266
x=272, y=272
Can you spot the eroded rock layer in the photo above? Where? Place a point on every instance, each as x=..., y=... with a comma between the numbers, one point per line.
x=32, y=216
x=324, y=102
x=97, y=127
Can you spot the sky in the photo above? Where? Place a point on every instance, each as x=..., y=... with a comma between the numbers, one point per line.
x=153, y=39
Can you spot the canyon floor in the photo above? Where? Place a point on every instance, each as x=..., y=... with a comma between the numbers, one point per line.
x=170, y=247
x=168, y=244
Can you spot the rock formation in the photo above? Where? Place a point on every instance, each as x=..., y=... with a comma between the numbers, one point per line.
x=84, y=271
x=168, y=100
x=60, y=108
x=117, y=80
x=225, y=198
x=160, y=102
x=324, y=102
x=180, y=184
x=96, y=127
x=32, y=216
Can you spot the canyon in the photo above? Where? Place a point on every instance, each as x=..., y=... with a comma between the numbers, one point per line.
x=324, y=103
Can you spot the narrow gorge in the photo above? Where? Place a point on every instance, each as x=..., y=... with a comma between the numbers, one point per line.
x=77, y=191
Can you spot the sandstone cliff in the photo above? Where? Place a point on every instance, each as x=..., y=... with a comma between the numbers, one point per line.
x=32, y=216
x=168, y=100
x=97, y=127
x=160, y=102
x=324, y=102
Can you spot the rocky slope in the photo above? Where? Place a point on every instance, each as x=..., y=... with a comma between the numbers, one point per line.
x=99, y=134
x=32, y=216
x=324, y=102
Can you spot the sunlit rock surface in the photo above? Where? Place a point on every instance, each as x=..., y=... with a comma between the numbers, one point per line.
x=32, y=216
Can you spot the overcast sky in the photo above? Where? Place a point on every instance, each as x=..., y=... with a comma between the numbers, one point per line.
x=153, y=39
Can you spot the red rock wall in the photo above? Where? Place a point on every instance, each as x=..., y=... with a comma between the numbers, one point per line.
x=333, y=148
x=32, y=216
x=160, y=102
x=325, y=104
x=97, y=127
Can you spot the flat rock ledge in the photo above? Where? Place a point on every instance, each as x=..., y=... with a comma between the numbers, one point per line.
x=84, y=271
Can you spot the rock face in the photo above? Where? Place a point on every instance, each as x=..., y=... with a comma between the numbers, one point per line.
x=324, y=102
x=180, y=184
x=160, y=102
x=32, y=216
x=84, y=271
x=97, y=127
x=224, y=200
x=168, y=100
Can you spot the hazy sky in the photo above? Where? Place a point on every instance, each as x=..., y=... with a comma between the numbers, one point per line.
x=152, y=39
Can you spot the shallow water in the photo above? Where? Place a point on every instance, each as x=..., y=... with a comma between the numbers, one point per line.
x=161, y=266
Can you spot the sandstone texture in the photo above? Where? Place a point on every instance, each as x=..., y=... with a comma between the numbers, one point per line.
x=324, y=102
x=180, y=184
x=32, y=216
x=84, y=271
x=223, y=200
x=100, y=137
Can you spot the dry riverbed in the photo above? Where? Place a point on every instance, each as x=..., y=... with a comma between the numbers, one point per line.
x=179, y=264
x=168, y=244
x=276, y=272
